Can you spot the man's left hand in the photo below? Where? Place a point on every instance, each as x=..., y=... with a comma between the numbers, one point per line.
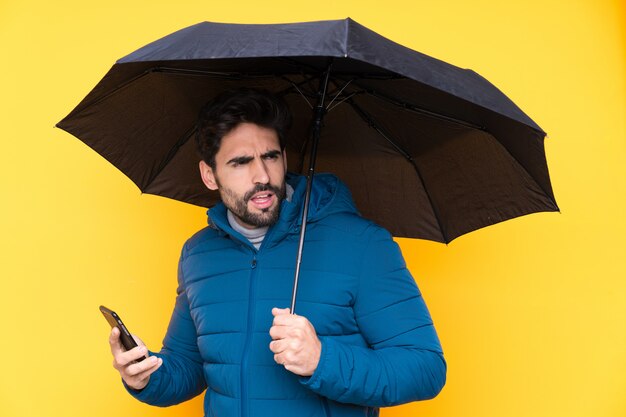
x=294, y=342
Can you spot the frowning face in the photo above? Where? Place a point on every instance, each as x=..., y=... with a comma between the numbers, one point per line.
x=249, y=174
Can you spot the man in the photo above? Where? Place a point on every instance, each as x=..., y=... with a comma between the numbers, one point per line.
x=362, y=338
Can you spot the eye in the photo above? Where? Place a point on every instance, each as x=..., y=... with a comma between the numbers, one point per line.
x=271, y=156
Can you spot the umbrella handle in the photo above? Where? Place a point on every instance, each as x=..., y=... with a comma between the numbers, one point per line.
x=320, y=111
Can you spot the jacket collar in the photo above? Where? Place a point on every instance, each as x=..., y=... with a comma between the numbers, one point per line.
x=328, y=195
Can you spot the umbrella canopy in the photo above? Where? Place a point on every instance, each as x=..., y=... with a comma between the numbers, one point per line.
x=428, y=150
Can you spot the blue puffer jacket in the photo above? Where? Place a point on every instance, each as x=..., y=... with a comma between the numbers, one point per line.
x=379, y=346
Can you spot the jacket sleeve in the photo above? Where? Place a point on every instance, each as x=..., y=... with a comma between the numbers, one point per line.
x=180, y=377
x=404, y=360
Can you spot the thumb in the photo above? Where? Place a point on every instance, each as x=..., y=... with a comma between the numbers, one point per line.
x=279, y=311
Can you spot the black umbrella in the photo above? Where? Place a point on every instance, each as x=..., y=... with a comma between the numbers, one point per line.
x=429, y=150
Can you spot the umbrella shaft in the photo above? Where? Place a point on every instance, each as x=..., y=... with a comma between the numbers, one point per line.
x=317, y=129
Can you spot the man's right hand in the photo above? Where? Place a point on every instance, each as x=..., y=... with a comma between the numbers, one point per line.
x=135, y=374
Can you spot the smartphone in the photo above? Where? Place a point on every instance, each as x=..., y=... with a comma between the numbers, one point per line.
x=115, y=321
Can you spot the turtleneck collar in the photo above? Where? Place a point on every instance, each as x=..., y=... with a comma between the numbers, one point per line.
x=256, y=235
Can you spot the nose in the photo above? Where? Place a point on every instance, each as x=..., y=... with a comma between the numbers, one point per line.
x=260, y=174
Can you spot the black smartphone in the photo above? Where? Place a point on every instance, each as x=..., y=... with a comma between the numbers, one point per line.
x=115, y=321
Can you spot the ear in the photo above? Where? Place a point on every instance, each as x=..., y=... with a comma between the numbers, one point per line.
x=208, y=176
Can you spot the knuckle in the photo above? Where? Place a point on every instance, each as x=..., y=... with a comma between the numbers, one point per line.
x=118, y=363
x=133, y=369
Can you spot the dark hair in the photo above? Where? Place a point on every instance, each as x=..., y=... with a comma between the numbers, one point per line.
x=230, y=108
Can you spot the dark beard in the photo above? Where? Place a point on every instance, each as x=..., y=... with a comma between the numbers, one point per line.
x=268, y=216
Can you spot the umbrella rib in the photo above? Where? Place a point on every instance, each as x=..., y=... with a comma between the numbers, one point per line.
x=308, y=69
x=416, y=109
x=165, y=70
x=328, y=107
x=419, y=110
x=216, y=74
x=300, y=92
x=376, y=126
x=317, y=73
x=305, y=145
x=170, y=155
x=112, y=92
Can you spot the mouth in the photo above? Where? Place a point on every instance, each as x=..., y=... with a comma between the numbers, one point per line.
x=262, y=200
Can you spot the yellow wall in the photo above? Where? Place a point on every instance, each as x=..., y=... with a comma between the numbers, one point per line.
x=531, y=313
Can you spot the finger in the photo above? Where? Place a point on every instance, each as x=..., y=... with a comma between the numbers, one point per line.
x=293, y=368
x=136, y=353
x=278, y=358
x=140, y=380
x=146, y=366
x=285, y=358
x=124, y=358
x=278, y=346
x=278, y=332
x=285, y=319
x=138, y=340
x=114, y=341
x=145, y=374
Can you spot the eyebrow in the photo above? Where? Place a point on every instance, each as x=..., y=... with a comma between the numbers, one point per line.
x=245, y=159
x=271, y=153
x=240, y=160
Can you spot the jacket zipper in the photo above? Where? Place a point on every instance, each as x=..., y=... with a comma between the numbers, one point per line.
x=246, y=348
